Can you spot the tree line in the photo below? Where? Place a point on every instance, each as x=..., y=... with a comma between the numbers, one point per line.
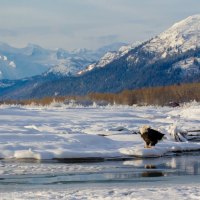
x=179, y=93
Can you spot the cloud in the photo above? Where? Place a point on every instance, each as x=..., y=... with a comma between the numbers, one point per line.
x=8, y=33
x=88, y=23
x=107, y=38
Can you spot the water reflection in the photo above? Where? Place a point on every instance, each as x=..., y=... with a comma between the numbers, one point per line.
x=135, y=170
x=178, y=165
x=152, y=174
x=150, y=167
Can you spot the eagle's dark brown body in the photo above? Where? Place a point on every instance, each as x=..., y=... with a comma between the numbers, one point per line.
x=150, y=136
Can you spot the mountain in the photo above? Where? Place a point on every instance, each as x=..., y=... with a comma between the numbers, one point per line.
x=18, y=63
x=109, y=57
x=172, y=57
x=181, y=37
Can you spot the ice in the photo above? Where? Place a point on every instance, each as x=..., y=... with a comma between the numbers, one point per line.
x=174, y=191
x=73, y=131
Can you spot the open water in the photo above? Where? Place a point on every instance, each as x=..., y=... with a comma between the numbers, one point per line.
x=22, y=174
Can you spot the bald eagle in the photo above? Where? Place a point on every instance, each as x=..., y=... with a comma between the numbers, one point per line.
x=150, y=136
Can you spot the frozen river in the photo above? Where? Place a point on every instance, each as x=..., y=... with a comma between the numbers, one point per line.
x=29, y=177
x=34, y=138
x=171, y=169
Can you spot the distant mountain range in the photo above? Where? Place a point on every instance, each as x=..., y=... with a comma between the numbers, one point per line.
x=173, y=57
x=18, y=63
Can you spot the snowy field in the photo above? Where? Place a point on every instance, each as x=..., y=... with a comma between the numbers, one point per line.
x=71, y=132
x=92, y=132
x=172, y=192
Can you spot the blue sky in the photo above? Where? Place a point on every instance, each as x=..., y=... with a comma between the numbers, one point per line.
x=91, y=24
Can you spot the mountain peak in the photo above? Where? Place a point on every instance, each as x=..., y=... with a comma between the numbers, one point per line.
x=182, y=36
x=190, y=19
x=191, y=23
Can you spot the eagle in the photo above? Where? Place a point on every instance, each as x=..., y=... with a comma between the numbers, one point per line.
x=150, y=136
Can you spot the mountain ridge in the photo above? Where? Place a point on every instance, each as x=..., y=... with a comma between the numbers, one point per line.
x=18, y=63
x=172, y=57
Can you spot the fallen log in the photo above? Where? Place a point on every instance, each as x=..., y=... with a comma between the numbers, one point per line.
x=193, y=131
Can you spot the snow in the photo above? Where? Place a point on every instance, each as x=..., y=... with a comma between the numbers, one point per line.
x=110, y=57
x=107, y=58
x=59, y=70
x=12, y=64
x=4, y=85
x=91, y=132
x=185, y=64
x=5, y=58
x=74, y=131
x=182, y=36
x=34, y=60
x=188, y=67
x=189, y=191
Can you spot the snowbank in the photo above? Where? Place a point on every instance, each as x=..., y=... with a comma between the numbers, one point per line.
x=189, y=191
x=93, y=132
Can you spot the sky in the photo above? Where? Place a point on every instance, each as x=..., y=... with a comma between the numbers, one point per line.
x=72, y=24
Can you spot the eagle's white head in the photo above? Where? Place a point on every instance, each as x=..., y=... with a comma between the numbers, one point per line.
x=144, y=129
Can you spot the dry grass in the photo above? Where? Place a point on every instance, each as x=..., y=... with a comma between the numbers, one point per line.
x=146, y=96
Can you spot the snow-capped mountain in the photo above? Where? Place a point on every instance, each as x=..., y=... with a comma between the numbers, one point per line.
x=74, y=63
x=109, y=57
x=181, y=37
x=172, y=57
x=178, y=39
x=17, y=63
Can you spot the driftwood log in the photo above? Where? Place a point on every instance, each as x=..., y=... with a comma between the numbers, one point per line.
x=193, y=135
x=179, y=136
x=193, y=131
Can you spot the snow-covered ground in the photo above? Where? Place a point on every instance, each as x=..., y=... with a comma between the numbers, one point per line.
x=91, y=132
x=71, y=131
x=184, y=192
